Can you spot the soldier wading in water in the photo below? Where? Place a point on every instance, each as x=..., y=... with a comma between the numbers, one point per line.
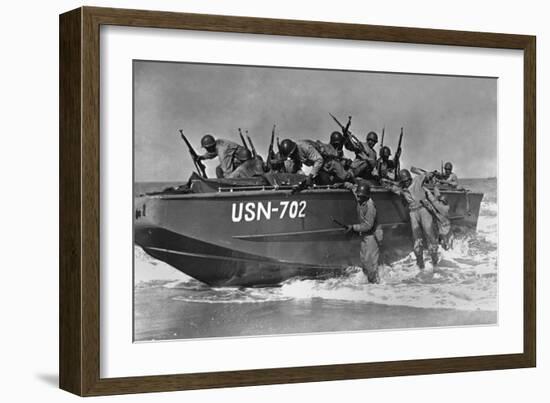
x=422, y=222
x=368, y=229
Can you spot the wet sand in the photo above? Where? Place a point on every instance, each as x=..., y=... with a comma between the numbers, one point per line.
x=160, y=316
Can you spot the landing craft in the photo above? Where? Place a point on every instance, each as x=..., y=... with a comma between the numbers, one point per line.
x=255, y=232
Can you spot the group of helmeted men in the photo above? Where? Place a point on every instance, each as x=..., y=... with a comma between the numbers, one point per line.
x=428, y=208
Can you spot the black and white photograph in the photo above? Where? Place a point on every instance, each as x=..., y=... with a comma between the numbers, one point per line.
x=276, y=201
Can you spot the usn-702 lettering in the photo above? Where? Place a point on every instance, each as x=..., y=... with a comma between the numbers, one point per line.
x=256, y=211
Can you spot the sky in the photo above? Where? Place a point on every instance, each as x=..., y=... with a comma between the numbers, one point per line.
x=446, y=118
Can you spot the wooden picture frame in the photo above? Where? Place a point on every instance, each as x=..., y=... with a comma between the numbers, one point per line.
x=79, y=346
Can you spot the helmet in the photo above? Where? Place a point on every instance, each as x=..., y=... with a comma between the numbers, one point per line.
x=287, y=148
x=404, y=175
x=363, y=190
x=336, y=138
x=448, y=165
x=243, y=154
x=372, y=136
x=208, y=141
x=385, y=151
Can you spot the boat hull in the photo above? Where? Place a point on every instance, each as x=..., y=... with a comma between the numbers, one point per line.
x=263, y=237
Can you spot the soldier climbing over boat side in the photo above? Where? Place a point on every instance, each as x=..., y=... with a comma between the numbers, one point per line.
x=334, y=170
x=367, y=228
x=322, y=158
x=225, y=150
x=421, y=220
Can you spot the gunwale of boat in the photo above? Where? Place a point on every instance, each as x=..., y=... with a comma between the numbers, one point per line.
x=235, y=192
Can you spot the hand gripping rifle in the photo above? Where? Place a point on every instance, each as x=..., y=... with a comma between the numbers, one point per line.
x=335, y=221
x=196, y=160
x=350, y=137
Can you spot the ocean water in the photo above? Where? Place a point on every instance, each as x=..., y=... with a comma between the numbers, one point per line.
x=461, y=292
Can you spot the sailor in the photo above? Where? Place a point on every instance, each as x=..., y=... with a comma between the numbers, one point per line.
x=422, y=226
x=245, y=165
x=385, y=167
x=365, y=161
x=449, y=178
x=367, y=228
x=223, y=149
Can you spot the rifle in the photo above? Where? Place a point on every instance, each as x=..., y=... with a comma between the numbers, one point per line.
x=270, y=155
x=349, y=136
x=335, y=221
x=398, y=153
x=252, y=148
x=242, y=139
x=388, y=182
x=382, y=142
x=198, y=164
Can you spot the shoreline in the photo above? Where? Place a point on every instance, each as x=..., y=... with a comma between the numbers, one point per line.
x=160, y=317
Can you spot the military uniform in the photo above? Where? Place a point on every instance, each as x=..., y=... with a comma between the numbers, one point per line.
x=225, y=151
x=422, y=223
x=333, y=170
x=248, y=169
x=364, y=162
x=386, y=168
x=441, y=214
x=450, y=180
x=371, y=235
x=308, y=155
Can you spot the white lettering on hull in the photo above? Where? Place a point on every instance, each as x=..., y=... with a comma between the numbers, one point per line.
x=256, y=211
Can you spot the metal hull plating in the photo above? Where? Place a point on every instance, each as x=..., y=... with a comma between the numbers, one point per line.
x=263, y=237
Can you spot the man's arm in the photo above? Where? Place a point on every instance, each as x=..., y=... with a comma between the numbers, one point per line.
x=452, y=180
x=392, y=187
x=313, y=155
x=208, y=156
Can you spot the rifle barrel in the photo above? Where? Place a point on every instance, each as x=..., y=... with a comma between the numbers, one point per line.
x=251, y=146
x=199, y=166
